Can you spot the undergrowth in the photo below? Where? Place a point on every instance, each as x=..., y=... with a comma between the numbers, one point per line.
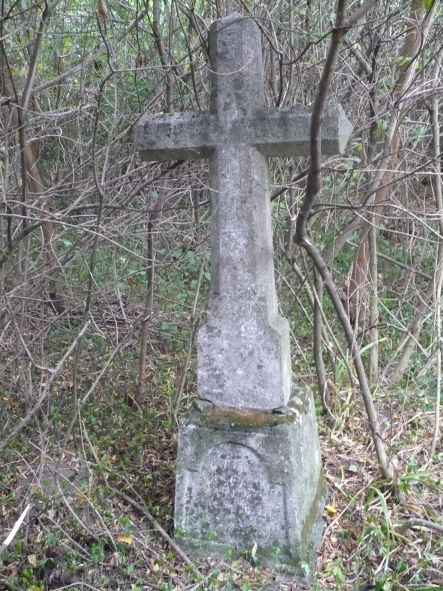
x=101, y=488
x=83, y=533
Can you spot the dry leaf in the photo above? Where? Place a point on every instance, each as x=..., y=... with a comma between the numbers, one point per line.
x=331, y=510
x=125, y=539
x=32, y=560
x=103, y=9
x=113, y=563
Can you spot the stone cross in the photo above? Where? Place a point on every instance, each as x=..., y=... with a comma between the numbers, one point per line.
x=249, y=462
x=243, y=349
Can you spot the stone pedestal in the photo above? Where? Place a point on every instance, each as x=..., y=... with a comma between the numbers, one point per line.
x=251, y=477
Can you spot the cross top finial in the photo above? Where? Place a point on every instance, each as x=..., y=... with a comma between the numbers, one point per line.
x=236, y=66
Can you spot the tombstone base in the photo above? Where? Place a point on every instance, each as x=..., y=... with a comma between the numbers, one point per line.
x=248, y=477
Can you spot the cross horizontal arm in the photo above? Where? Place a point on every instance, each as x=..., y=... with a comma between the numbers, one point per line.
x=274, y=132
x=286, y=132
x=175, y=136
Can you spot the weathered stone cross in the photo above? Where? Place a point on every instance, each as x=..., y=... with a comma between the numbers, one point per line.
x=243, y=349
x=244, y=473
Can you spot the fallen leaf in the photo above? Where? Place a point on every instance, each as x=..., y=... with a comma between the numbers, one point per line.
x=113, y=563
x=331, y=510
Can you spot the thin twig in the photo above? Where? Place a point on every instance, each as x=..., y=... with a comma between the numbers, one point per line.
x=43, y=395
x=435, y=126
x=421, y=523
x=15, y=529
x=144, y=510
x=194, y=328
x=313, y=186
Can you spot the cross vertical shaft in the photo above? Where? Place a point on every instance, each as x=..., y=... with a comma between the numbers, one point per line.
x=243, y=349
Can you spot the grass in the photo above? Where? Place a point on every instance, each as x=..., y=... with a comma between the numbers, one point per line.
x=100, y=492
x=84, y=535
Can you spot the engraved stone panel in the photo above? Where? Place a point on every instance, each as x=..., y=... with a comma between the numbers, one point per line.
x=238, y=499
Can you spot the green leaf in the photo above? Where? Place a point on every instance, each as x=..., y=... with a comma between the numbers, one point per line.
x=405, y=61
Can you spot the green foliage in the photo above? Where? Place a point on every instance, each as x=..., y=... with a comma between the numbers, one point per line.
x=130, y=445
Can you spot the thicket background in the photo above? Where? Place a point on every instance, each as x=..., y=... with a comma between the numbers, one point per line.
x=105, y=267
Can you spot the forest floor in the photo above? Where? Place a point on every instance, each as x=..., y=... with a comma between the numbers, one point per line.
x=101, y=493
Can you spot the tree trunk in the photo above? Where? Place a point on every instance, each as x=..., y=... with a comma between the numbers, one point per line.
x=381, y=187
x=32, y=178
